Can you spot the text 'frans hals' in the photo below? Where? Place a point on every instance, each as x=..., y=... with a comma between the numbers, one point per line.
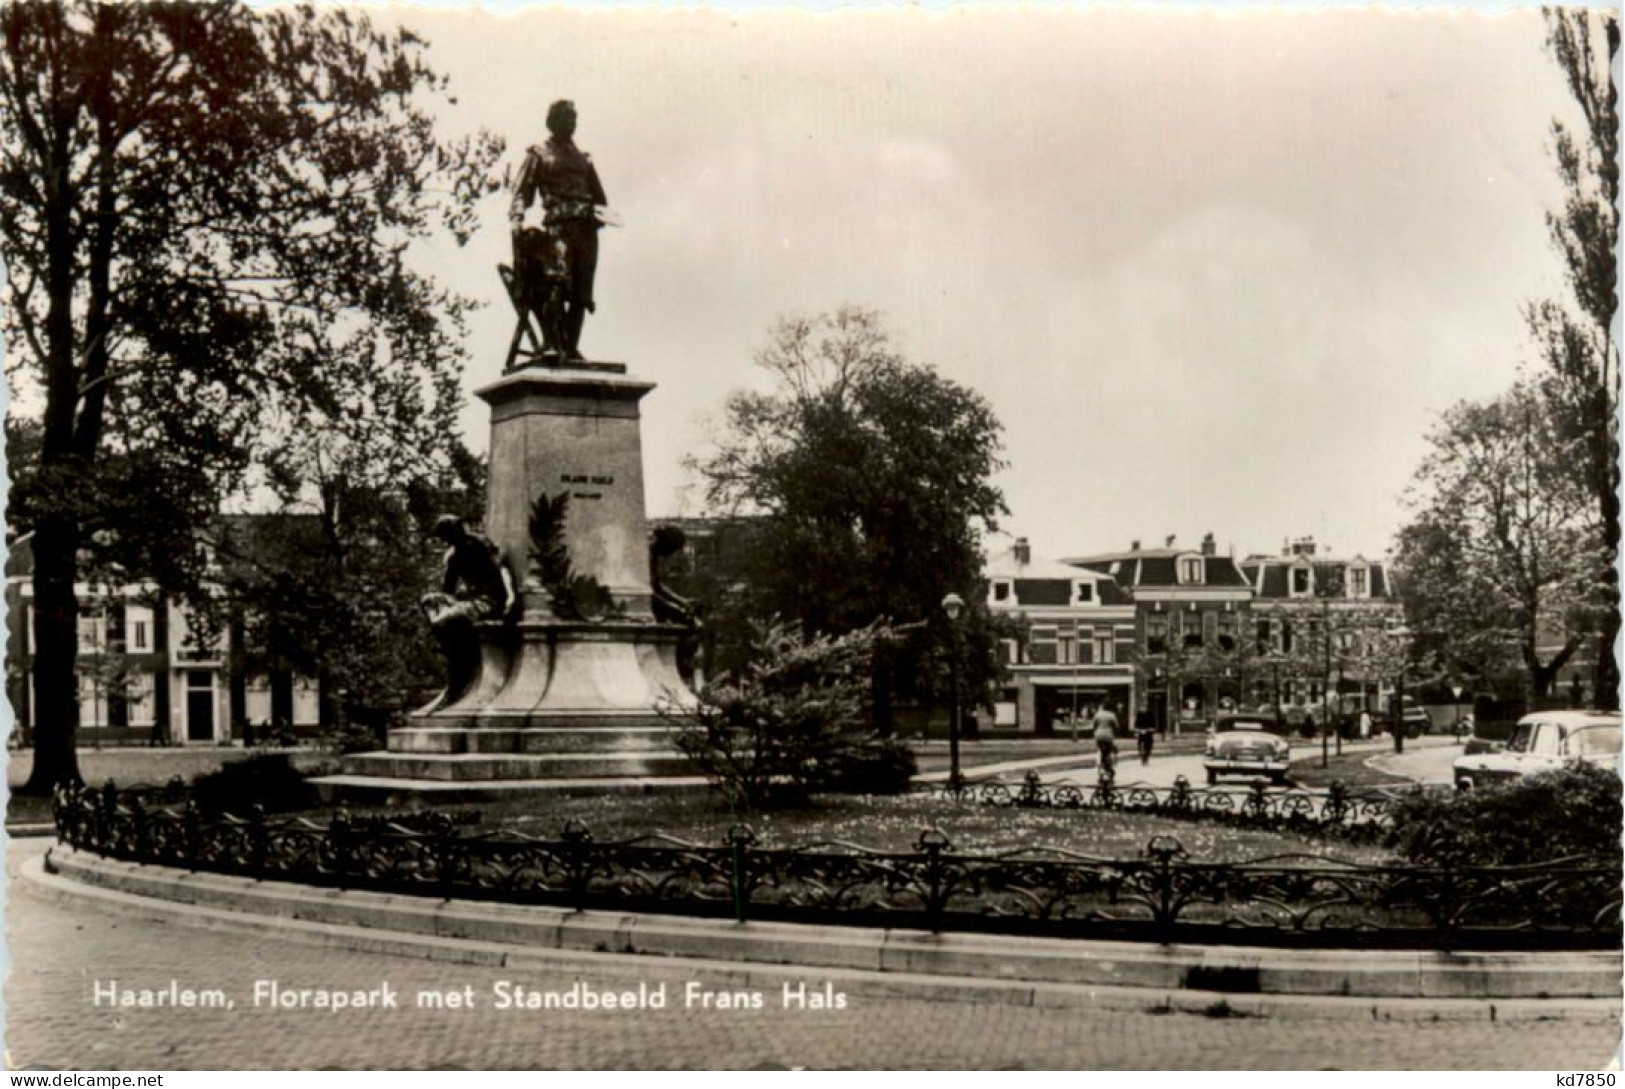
x=503, y=994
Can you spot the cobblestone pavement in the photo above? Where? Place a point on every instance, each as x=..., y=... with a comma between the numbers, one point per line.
x=58, y=952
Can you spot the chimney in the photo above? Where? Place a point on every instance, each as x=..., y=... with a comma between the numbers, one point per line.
x=1169, y=543
x=1303, y=546
x=1208, y=547
x=1134, y=546
x=1023, y=551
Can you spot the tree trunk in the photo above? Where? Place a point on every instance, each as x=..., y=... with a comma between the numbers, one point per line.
x=56, y=536
x=1605, y=677
x=881, y=692
x=56, y=649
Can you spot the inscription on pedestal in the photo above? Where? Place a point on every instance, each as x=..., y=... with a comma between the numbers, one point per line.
x=585, y=478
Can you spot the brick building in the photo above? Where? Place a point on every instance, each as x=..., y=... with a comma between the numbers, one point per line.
x=1318, y=615
x=1190, y=613
x=146, y=673
x=1079, y=644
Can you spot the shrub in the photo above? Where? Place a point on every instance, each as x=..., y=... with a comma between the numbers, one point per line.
x=793, y=721
x=1554, y=815
x=876, y=765
x=265, y=779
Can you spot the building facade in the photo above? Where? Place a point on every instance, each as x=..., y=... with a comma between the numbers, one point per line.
x=1322, y=619
x=149, y=674
x=1190, y=614
x=1076, y=649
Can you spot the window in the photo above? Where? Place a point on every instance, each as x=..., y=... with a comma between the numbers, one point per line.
x=1012, y=651
x=192, y=641
x=92, y=702
x=92, y=633
x=1303, y=581
x=1066, y=648
x=1264, y=636
x=306, y=706
x=138, y=628
x=1001, y=590
x=140, y=696
x=1227, y=632
x=1190, y=569
x=1286, y=637
x=1359, y=582
x=1156, y=635
x=1083, y=593
x=1105, y=647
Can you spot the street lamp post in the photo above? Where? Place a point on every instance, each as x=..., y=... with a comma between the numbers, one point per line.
x=1403, y=634
x=953, y=605
x=1455, y=692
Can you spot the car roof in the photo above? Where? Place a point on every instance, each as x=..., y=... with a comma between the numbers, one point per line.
x=1573, y=719
x=1243, y=722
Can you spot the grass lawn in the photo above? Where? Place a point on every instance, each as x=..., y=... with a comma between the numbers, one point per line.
x=136, y=767
x=894, y=823
x=1350, y=769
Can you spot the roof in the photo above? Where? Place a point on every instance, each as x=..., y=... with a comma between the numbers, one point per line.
x=1005, y=565
x=1268, y=575
x=1158, y=567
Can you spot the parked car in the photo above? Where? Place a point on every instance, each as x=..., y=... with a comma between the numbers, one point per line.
x=1544, y=741
x=1243, y=744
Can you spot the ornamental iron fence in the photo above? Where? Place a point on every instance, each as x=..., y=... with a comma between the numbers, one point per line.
x=1336, y=811
x=1164, y=895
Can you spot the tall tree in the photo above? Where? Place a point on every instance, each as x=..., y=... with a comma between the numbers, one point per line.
x=875, y=479
x=206, y=213
x=1499, y=560
x=1575, y=334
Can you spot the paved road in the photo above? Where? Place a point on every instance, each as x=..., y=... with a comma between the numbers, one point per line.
x=1423, y=761
x=1427, y=762
x=59, y=952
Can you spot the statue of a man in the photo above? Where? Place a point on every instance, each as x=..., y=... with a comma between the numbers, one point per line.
x=476, y=585
x=555, y=265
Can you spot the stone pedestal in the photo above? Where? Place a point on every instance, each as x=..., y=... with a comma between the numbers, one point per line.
x=557, y=698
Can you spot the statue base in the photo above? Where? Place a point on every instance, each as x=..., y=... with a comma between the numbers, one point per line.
x=555, y=701
x=552, y=700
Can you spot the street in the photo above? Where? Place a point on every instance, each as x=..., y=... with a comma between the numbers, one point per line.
x=1425, y=759
x=60, y=952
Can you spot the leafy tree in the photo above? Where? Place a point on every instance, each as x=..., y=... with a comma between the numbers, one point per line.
x=332, y=593
x=1575, y=335
x=1500, y=554
x=873, y=479
x=206, y=213
x=793, y=720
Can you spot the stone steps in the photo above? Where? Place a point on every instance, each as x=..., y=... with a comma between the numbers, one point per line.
x=564, y=740
x=462, y=767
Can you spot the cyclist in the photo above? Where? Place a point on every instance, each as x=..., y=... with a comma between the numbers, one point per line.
x=1106, y=738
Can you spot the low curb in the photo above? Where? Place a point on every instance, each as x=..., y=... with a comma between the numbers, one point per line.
x=1219, y=981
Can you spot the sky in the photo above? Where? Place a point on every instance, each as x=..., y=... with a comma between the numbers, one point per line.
x=1214, y=271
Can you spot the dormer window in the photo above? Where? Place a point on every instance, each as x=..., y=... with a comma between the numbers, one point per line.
x=1359, y=581
x=1190, y=570
x=1083, y=593
x=1303, y=580
x=1001, y=591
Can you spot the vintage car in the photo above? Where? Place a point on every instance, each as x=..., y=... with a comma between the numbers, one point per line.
x=1544, y=741
x=1244, y=745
